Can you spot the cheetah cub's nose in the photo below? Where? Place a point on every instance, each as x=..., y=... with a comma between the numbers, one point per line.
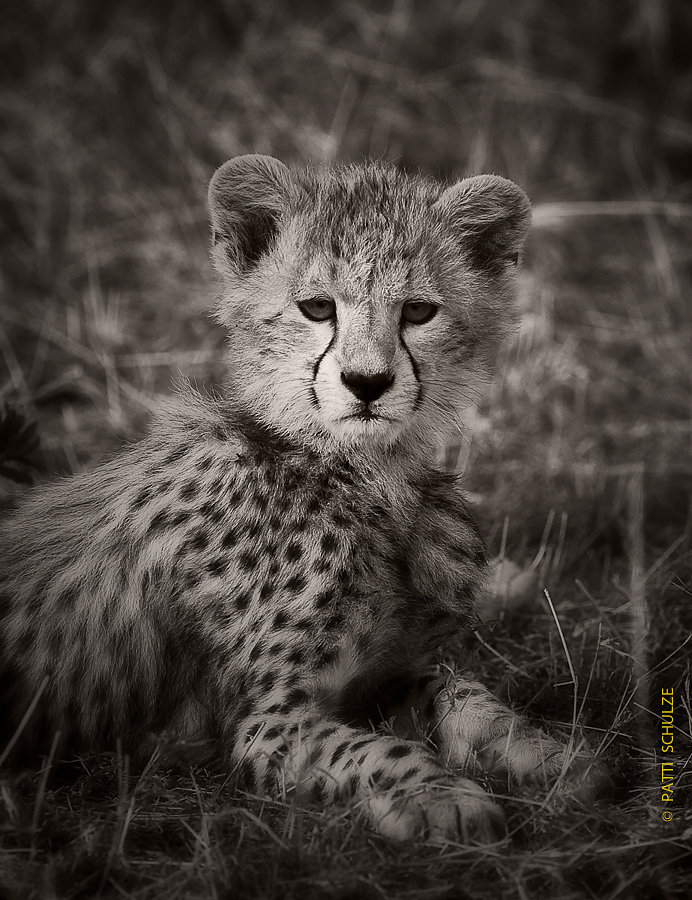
x=367, y=387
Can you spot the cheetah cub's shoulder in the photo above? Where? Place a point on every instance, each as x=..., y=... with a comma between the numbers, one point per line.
x=280, y=569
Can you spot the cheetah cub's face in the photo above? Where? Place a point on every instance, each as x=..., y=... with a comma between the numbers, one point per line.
x=363, y=305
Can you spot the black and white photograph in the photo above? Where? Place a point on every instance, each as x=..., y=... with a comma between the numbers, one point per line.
x=345, y=450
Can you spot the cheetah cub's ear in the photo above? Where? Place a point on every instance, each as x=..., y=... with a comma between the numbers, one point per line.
x=247, y=196
x=490, y=216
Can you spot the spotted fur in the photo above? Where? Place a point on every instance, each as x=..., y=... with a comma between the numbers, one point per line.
x=273, y=572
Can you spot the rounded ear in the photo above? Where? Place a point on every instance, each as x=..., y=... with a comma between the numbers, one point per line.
x=490, y=215
x=247, y=196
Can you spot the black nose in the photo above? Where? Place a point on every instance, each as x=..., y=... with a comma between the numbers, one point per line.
x=367, y=387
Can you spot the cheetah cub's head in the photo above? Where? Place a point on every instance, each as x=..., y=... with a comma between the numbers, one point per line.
x=363, y=304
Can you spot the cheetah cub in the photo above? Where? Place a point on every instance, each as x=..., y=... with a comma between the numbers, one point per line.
x=280, y=571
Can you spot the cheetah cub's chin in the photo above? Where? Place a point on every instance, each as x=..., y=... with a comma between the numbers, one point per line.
x=280, y=571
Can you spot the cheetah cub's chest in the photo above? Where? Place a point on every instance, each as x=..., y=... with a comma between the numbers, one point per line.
x=354, y=559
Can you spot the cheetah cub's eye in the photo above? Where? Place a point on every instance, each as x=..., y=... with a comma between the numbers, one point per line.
x=418, y=312
x=318, y=309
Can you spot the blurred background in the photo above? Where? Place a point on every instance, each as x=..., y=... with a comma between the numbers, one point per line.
x=113, y=117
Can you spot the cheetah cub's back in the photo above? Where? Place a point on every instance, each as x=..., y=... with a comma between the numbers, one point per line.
x=280, y=569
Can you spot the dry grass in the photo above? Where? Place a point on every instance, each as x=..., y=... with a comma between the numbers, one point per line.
x=580, y=461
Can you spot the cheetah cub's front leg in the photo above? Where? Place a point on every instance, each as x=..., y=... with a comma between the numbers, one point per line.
x=403, y=790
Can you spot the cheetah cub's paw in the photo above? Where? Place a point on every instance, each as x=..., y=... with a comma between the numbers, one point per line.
x=535, y=761
x=455, y=810
x=583, y=779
